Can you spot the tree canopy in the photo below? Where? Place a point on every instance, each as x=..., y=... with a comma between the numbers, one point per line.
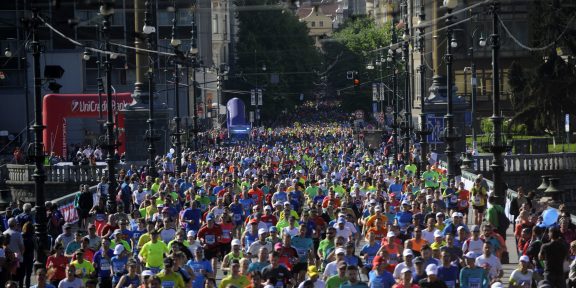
x=274, y=38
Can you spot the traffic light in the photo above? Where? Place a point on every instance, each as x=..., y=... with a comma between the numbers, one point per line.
x=356, y=80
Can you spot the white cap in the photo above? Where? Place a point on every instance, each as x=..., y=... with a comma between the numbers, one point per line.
x=454, y=214
x=147, y=273
x=267, y=207
x=287, y=203
x=407, y=252
x=372, y=201
x=438, y=233
x=524, y=258
x=405, y=202
x=118, y=249
x=340, y=251
x=390, y=234
x=470, y=255
x=260, y=231
x=378, y=208
x=432, y=269
x=356, y=185
x=235, y=242
x=191, y=233
x=497, y=285
x=405, y=269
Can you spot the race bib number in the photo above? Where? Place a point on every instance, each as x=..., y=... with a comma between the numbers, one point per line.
x=226, y=234
x=210, y=239
x=237, y=217
x=453, y=199
x=101, y=217
x=525, y=284
x=168, y=284
x=477, y=200
x=104, y=265
x=463, y=203
x=474, y=283
x=451, y=284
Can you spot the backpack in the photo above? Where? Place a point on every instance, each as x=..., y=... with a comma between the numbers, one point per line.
x=514, y=207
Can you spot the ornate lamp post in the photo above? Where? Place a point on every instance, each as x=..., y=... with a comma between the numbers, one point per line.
x=406, y=59
x=496, y=147
x=449, y=135
x=38, y=152
x=193, y=53
x=149, y=29
x=474, y=83
x=422, y=69
x=394, y=98
x=106, y=11
x=175, y=43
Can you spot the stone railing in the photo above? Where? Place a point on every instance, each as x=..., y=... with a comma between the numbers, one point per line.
x=58, y=173
x=529, y=162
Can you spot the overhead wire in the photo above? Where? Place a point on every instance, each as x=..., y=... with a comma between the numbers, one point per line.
x=536, y=49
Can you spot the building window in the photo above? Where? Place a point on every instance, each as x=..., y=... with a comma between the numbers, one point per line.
x=313, y=24
x=215, y=24
x=321, y=23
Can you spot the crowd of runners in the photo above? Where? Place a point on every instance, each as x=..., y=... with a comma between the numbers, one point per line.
x=305, y=205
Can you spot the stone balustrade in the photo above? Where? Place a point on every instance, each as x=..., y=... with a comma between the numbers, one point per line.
x=58, y=173
x=529, y=162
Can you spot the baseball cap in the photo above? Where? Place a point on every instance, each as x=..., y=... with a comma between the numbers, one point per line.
x=475, y=228
x=312, y=271
x=454, y=214
x=273, y=229
x=405, y=203
x=342, y=264
x=147, y=273
x=373, y=201
x=341, y=220
x=407, y=252
x=390, y=234
x=497, y=285
x=253, y=221
x=340, y=251
x=377, y=260
x=118, y=249
x=437, y=233
x=524, y=258
x=405, y=269
x=439, y=214
x=378, y=208
x=470, y=255
x=277, y=246
x=262, y=231
x=210, y=217
x=67, y=225
x=191, y=233
x=267, y=207
x=432, y=269
x=286, y=203
x=235, y=242
x=418, y=259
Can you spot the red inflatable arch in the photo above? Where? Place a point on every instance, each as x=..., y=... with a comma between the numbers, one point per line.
x=60, y=107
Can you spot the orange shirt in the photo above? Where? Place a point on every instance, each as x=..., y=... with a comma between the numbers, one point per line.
x=379, y=234
x=372, y=219
x=417, y=245
x=463, y=198
x=258, y=193
x=327, y=200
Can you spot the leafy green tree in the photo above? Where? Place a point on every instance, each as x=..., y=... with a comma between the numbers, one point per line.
x=275, y=39
x=352, y=47
x=543, y=91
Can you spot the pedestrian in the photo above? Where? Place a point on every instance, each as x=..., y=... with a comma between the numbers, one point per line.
x=554, y=254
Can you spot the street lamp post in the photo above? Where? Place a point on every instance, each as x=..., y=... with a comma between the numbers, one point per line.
x=38, y=127
x=449, y=135
x=193, y=53
x=406, y=58
x=394, y=98
x=422, y=69
x=107, y=10
x=148, y=29
x=474, y=85
x=175, y=43
x=496, y=147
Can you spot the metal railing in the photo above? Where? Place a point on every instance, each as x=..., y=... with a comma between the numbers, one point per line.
x=59, y=174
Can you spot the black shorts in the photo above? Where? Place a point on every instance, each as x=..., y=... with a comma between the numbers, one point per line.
x=480, y=209
x=211, y=253
x=225, y=248
x=300, y=266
